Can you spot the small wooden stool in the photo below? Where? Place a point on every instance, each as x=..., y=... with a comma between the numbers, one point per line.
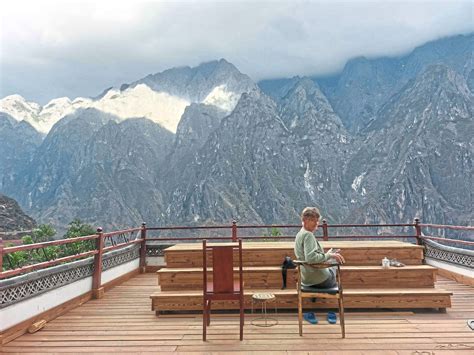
x=264, y=299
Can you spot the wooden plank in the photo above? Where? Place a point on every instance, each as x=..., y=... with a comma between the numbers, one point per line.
x=105, y=326
x=89, y=349
x=286, y=299
x=462, y=279
x=273, y=253
x=21, y=328
x=292, y=293
x=416, y=276
x=290, y=244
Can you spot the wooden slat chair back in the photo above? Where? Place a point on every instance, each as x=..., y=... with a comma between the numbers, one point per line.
x=312, y=292
x=223, y=285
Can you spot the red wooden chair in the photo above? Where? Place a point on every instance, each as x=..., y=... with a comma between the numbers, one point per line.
x=223, y=286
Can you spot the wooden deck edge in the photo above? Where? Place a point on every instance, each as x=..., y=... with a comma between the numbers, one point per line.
x=292, y=292
x=462, y=279
x=441, y=302
x=19, y=329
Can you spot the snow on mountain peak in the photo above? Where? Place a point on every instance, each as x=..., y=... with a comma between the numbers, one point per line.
x=17, y=107
x=141, y=101
x=222, y=98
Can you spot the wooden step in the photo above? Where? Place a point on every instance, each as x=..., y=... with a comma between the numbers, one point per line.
x=416, y=276
x=287, y=299
x=273, y=253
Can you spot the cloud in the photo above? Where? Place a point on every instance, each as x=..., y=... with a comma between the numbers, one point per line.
x=78, y=48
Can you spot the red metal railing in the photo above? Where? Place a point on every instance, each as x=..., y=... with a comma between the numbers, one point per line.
x=448, y=240
x=98, y=253
x=233, y=229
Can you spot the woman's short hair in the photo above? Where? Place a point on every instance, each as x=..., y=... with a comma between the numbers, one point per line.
x=310, y=213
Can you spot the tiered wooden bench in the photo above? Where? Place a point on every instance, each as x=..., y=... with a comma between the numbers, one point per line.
x=366, y=283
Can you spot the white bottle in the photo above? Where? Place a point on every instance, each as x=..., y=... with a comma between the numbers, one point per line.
x=385, y=263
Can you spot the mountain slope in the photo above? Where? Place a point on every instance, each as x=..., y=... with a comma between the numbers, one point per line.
x=417, y=157
x=364, y=85
x=12, y=218
x=265, y=159
x=19, y=141
x=264, y=162
x=92, y=167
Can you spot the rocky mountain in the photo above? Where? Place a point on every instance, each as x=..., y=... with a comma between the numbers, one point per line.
x=364, y=85
x=386, y=140
x=278, y=88
x=12, y=218
x=160, y=97
x=265, y=160
x=417, y=158
x=237, y=175
x=18, y=143
x=217, y=83
x=42, y=119
x=196, y=124
x=322, y=145
x=94, y=166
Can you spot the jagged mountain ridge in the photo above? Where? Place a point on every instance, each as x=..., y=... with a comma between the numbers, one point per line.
x=261, y=163
x=421, y=148
x=198, y=84
x=364, y=85
x=92, y=167
x=161, y=97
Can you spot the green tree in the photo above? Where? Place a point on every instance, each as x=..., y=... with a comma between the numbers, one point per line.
x=79, y=229
x=44, y=233
x=14, y=260
x=275, y=232
x=273, y=235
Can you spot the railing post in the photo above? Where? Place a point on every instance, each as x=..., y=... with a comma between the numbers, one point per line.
x=234, y=230
x=1, y=255
x=325, y=230
x=143, y=249
x=97, y=289
x=418, y=231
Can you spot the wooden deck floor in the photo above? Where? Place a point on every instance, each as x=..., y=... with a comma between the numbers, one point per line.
x=122, y=322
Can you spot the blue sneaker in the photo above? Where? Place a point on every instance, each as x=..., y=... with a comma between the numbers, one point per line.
x=310, y=317
x=332, y=318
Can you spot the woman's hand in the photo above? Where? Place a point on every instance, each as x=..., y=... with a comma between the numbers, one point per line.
x=338, y=257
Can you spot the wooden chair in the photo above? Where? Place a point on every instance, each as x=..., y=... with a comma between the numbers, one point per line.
x=223, y=286
x=313, y=292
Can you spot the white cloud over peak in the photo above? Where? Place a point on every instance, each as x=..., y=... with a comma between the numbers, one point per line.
x=77, y=48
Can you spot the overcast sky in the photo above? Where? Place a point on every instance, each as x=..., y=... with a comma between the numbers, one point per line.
x=61, y=48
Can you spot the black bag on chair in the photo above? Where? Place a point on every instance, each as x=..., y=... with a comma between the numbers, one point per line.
x=287, y=264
